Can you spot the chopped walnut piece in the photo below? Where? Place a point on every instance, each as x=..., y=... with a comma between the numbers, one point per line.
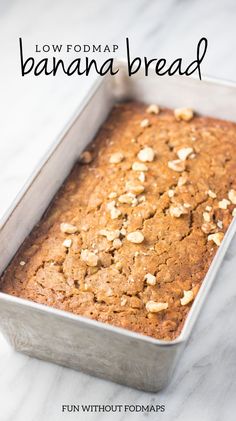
x=135, y=202
x=112, y=195
x=119, y=265
x=123, y=301
x=139, y=166
x=208, y=227
x=67, y=243
x=184, y=153
x=125, y=223
x=141, y=199
x=134, y=188
x=135, y=237
x=123, y=231
x=85, y=227
x=217, y=238
x=182, y=180
x=206, y=216
x=86, y=157
x=127, y=198
x=219, y=224
x=116, y=158
x=187, y=298
x=177, y=210
x=111, y=205
x=146, y=154
x=223, y=204
x=153, y=109
x=171, y=193
x=110, y=234
x=145, y=123
x=211, y=194
x=150, y=279
x=185, y=114
x=208, y=208
x=90, y=258
x=117, y=243
x=155, y=307
x=232, y=196
x=141, y=177
x=68, y=228
x=115, y=213
x=176, y=165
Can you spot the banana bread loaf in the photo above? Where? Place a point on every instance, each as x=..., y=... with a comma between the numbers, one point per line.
x=130, y=235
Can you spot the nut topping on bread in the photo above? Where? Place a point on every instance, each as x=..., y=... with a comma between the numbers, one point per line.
x=141, y=177
x=139, y=166
x=208, y=227
x=116, y=158
x=217, y=238
x=206, y=216
x=123, y=301
x=111, y=205
x=117, y=243
x=146, y=154
x=145, y=123
x=112, y=195
x=176, y=165
x=155, y=307
x=232, y=196
x=135, y=237
x=109, y=234
x=187, y=298
x=211, y=194
x=177, y=210
x=67, y=243
x=153, y=109
x=223, y=204
x=90, y=258
x=171, y=193
x=219, y=224
x=134, y=188
x=150, y=279
x=182, y=180
x=68, y=228
x=184, y=153
x=128, y=198
x=185, y=114
x=115, y=213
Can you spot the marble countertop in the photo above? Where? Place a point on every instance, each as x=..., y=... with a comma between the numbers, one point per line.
x=32, y=113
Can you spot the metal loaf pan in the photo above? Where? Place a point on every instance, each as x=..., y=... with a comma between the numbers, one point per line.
x=73, y=341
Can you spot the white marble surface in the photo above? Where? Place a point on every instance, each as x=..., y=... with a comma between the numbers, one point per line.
x=32, y=113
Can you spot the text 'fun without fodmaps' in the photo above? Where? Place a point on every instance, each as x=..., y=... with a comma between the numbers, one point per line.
x=85, y=65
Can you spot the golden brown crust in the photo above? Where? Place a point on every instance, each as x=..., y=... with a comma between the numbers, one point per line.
x=113, y=286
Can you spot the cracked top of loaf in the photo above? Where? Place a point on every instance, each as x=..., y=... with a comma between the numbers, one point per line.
x=130, y=235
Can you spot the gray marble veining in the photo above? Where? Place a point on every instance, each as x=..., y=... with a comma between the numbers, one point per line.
x=33, y=112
